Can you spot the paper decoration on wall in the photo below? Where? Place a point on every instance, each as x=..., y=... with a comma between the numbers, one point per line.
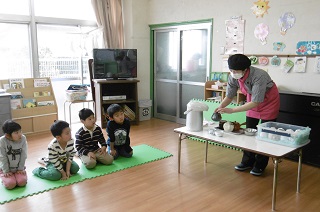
x=260, y=8
x=317, y=65
x=300, y=64
x=234, y=36
x=261, y=32
x=263, y=61
x=286, y=21
x=287, y=66
x=279, y=46
x=253, y=59
x=275, y=61
x=308, y=47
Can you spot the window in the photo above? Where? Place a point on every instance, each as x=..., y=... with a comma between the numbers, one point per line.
x=10, y=7
x=53, y=39
x=15, y=50
x=73, y=9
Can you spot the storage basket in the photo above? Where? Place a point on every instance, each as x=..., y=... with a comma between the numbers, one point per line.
x=129, y=113
x=283, y=134
x=73, y=95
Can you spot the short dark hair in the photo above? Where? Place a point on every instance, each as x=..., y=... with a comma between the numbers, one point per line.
x=112, y=109
x=10, y=126
x=85, y=113
x=57, y=127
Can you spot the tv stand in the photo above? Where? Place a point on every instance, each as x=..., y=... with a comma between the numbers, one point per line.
x=119, y=87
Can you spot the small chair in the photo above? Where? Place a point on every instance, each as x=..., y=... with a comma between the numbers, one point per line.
x=70, y=102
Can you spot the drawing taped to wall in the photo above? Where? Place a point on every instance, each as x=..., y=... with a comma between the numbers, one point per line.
x=308, y=47
x=300, y=64
x=260, y=8
x=234, y=36
x=286, y=21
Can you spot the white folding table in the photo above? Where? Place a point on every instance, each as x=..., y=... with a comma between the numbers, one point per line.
x=248, y=143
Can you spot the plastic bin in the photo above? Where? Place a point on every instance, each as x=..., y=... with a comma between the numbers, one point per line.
x=73, y=95
x=145, y=109
x=284, y=134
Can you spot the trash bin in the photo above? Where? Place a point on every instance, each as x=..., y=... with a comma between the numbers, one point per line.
x=145, y=109
x=194, y=114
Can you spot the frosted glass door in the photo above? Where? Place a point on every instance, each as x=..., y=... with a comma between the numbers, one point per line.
x=181, y=66
x=166, y=70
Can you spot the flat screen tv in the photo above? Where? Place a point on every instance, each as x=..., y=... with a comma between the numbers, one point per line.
x=114, y=63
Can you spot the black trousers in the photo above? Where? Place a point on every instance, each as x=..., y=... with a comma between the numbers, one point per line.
x=250, y=158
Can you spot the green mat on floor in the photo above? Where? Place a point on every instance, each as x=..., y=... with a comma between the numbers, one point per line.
x=142, y=154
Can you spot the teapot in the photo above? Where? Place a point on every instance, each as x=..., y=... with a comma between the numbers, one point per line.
x=216, y=116
x=228, y=126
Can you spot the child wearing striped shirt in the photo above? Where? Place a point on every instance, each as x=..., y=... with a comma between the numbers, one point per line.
x=90, y=142
x=60, y=164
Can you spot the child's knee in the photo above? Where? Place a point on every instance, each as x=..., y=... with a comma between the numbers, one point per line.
x=74, y=168
x=9, y=182
x=21, y=179
x=90, y=164
x=47, y=173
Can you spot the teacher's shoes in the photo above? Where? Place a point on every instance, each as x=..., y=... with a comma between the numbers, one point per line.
x=242, y=167
x=255, y=171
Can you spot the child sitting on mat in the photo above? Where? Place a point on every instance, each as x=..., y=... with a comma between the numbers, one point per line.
x=88, y=138
x=13, y=155
x=59, y=164
x=118, y=129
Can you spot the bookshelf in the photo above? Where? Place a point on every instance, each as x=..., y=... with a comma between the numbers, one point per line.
x=35, y=118
x=208, y=93
x=111, y=88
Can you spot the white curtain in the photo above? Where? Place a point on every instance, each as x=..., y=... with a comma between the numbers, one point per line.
x=109, y=18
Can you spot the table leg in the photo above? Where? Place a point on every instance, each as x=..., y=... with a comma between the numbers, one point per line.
x=179, y=151
x=70, y=114
x=64, y=110
x=299, y=170
x=206, y=155
x=275, y=181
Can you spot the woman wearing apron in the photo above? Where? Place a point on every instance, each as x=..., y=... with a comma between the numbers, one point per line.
x=262, y=103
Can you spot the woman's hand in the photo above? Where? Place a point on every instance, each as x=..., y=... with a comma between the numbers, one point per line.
x=225, y=110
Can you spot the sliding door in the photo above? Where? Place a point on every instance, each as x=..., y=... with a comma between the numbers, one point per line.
x=181, y=66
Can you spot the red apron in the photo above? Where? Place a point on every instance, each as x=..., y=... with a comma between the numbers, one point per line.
x=266, y=110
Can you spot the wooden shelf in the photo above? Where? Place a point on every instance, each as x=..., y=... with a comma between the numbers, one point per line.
x=208, y=93
x=36, y=119
x=115, y=88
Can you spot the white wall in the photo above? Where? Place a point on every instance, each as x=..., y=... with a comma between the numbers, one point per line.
x=137, y=36
x=307, y=27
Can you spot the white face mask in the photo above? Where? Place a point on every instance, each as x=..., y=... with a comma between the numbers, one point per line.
x=236, y=75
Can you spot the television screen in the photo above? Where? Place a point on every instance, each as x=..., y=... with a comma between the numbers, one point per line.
x=114, y=63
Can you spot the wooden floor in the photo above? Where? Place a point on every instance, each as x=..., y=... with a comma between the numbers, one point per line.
x=157, y=186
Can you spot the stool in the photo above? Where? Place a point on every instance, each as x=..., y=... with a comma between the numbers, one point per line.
x=74, y=102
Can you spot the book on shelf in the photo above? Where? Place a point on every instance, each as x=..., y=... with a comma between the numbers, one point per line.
x=119, y=97
x=41, y=93
x=45, y=103
x=29, y=103
x=17, y=83
x=16, y=95
x=6, y=86
x=41, y=83
x=15, y=104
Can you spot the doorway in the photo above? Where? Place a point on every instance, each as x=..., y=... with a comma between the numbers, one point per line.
x=181, y=66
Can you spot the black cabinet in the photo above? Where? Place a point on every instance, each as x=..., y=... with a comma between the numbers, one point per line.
x=303, y=109
x=122, y=92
